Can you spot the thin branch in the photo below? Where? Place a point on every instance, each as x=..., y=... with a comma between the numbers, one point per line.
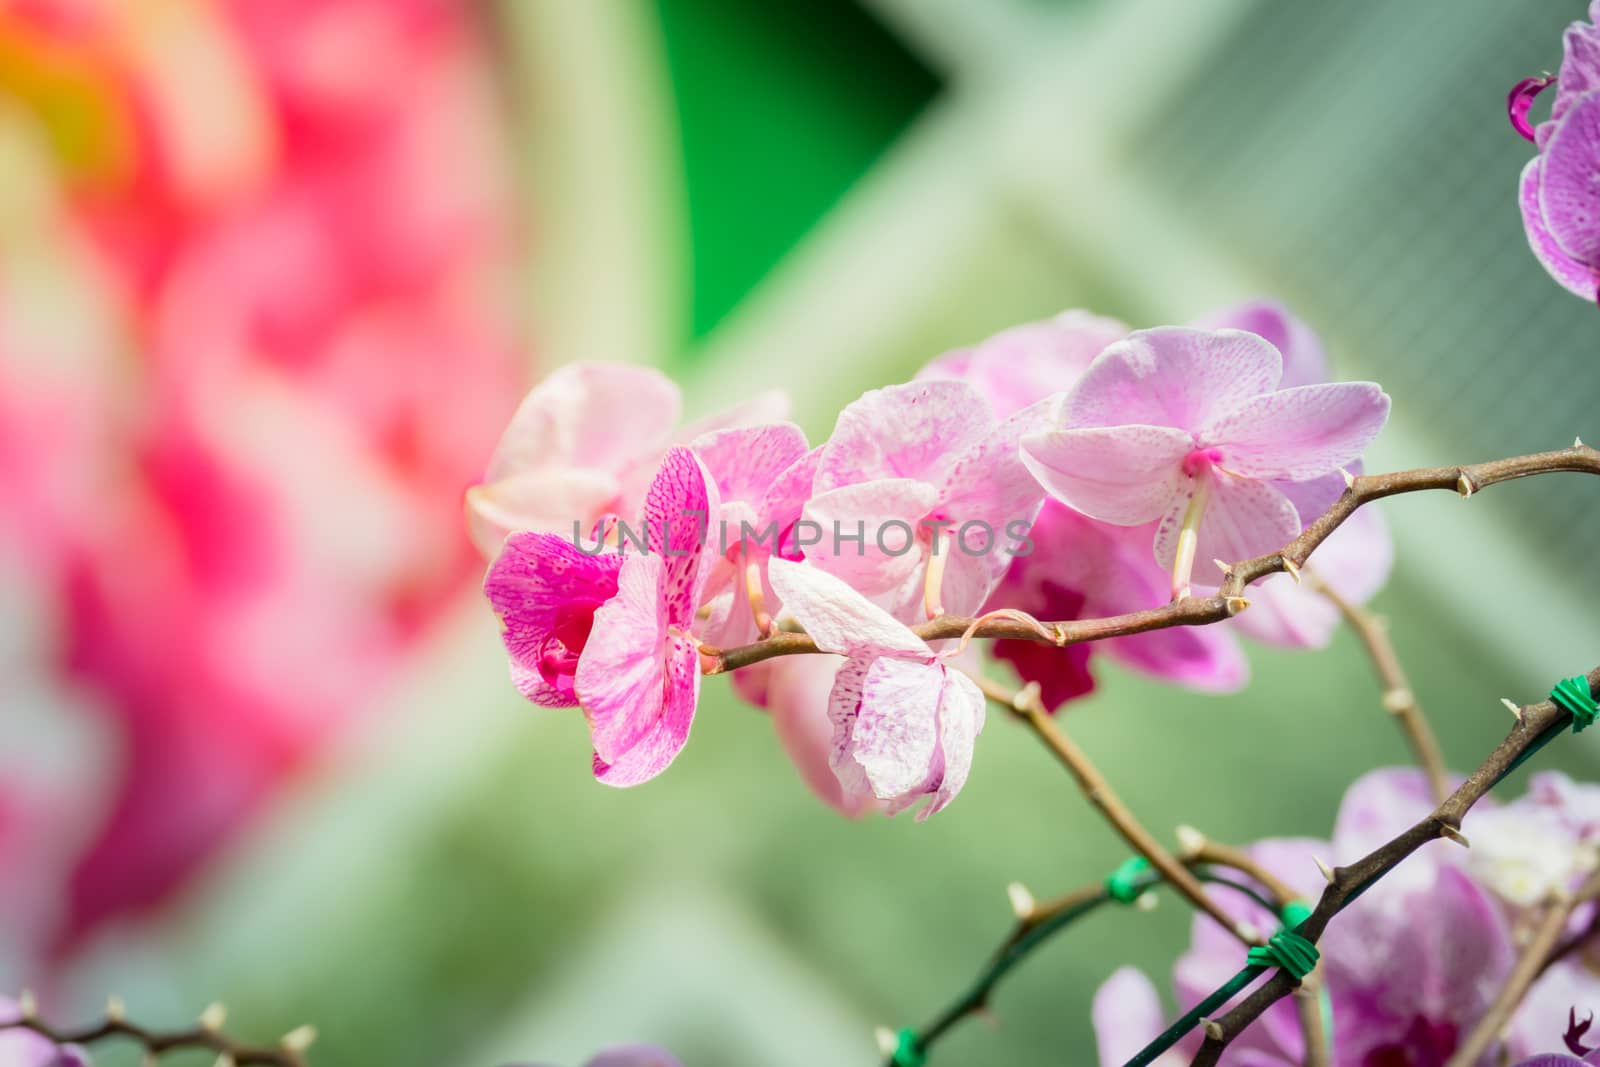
x=1536, y=725
x=1025, y=705
x=207, y=1036
x=1398, y=698
x=1546, y=933
x=1229, y=601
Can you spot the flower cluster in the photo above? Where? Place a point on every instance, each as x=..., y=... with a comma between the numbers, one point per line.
x=1059, y=469
x=1415, y=963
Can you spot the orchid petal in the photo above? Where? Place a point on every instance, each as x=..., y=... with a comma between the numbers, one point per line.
x=895, y=736
x=1025, y=364
x=545, y=500
x=903, y=431
x=1577, y=278
x=538, y=585
x=886, y=515
x=1244, y=519
x=677, y=510
x=573, y=416
x=788, y=493
x=1300, y=433
x=838, y=618
x=961, y=715
x=1173, y=376
x=744, y=461
x=1569, y=191
x=1304, y=360
x=1127, y=1016
x=1127, y=475
x=797, y=694
x=650, y=754
x=620, y=675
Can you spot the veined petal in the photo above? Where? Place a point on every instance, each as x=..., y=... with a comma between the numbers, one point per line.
x=1125, y=475
x=1245, y=518
x=886, y=514
x=961, y=716
x=788, y=493
x=539, y=586
x=1569, y=191
x=575, y=416
x=1025, y=364
x=621, y=674
x=903, y=431
x=1173, y=376
x=896, y=738
x=677, y=509
x=744, y=461
x=1300, y=433
x=838, y=618
x=1577, y=278
x=650, y=754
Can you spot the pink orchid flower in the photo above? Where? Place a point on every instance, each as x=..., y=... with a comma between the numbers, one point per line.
x=920, y=497
x=904, y=722
x=763, y=476
x=584, y=444
x=1188, y=428
x=611, y=632
x=1024, y=364
x=631, y=1056
x=1560, y=190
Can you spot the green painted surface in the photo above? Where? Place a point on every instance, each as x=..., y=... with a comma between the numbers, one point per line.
x=781, y=106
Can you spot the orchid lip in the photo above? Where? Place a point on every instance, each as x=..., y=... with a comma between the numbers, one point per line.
x=1520, y=101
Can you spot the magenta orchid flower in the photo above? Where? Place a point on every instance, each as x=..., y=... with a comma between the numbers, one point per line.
x=612, y=632
x=904, y=722
x=1188, y=428
x=763, y=476
x=1560, y=189
x=584, y=444
x=920, y=497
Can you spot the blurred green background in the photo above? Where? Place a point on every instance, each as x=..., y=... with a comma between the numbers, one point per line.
x=822, y=196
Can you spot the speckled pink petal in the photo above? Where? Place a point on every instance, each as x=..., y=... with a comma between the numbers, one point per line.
x=797, y=692
x=1299, y=433
x=677, y=511
x=537, y=585
x=903, y=431
x=989, y=483
x=649, y=755
x=1243, y=519
x=838, y=618
x=597, y=415
x=621, y=674
x=788, y=493
x=1575, y=277
x=881, y=512
x=895, y=739
x=961, y=717
x=1173, y=376
x=1569, y=187
x=744, y=461
x=1127, y=475
x=1579, y=76
x=1305, y=362
x=1376, y=807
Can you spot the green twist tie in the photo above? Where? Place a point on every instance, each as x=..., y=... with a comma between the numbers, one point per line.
x=1572, y=694
x=908, y=1051
x=1123, y=883
x=1294, y=913
x=1288, y=950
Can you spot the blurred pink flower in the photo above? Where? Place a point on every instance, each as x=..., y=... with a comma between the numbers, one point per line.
x=319, y=358
x=23, y=1048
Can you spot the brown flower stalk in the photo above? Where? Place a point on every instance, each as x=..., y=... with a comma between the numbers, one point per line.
x=206, y=1036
